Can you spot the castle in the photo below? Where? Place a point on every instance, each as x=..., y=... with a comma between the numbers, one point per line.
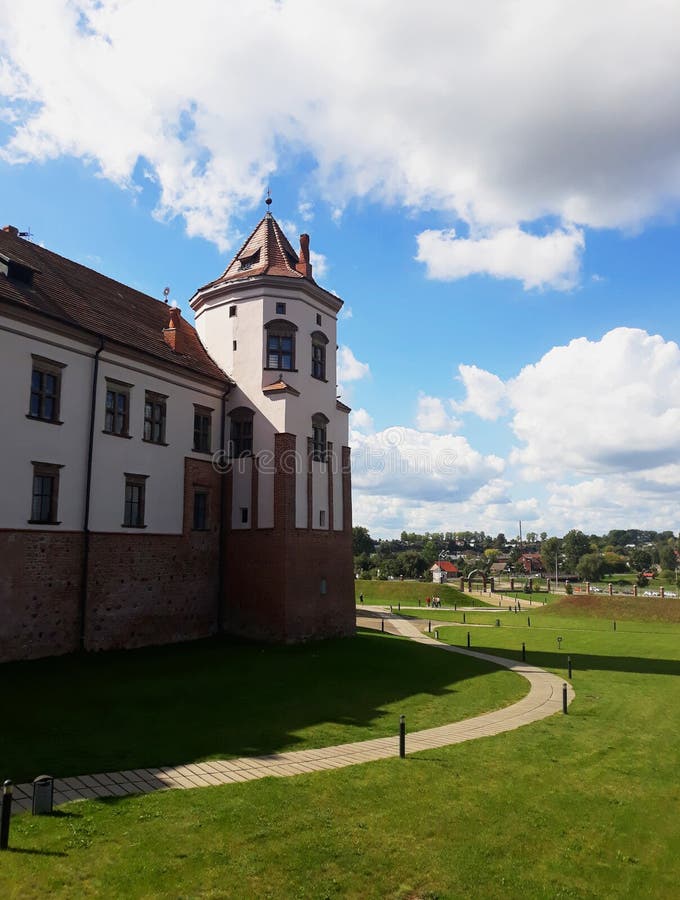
x=163, y=482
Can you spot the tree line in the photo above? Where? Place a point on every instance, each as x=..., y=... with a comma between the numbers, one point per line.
x=588, y=557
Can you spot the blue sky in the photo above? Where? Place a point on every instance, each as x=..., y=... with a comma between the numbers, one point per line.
x=492, y=194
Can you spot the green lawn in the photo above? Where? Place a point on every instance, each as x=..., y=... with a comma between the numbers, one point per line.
x=577, y=806
x=220, y=699
x=384, y=593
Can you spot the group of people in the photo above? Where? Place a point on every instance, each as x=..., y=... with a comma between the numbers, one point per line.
x=433, y=601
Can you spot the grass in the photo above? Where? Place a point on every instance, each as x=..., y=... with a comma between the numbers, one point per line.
x=220, y=699
x=384, y=593
x=577, y=806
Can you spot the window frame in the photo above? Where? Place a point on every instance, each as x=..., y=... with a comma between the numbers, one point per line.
x=45, y=368
x=319, y=437
x=240, y=444
x=319, y=344
x=279, y=330
x=117, y=389
x=202, y=437
x=157, y=402
x=42, y=472
x=133, y=480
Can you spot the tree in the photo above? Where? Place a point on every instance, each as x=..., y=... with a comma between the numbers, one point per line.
x=544, y=535
x=550, y=549
x=362, y=542
x=499, y=541
x=591, y=567
x=491, y=554
x=640, y=559
x=575, y=544
x=667, y=556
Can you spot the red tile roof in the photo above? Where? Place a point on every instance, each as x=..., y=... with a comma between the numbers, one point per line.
x=85, y=299
x=447, y=566
x=267, y=251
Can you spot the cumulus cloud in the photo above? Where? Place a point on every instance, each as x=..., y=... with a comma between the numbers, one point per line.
x=419, y=465
x=552, y=260
x=349, y=367
x=546, y=125
x=319, y=265
x=590, y=407
x=485, y=393
x=361, y=420
x=431, y=415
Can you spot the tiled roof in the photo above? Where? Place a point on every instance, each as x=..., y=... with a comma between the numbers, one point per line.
x=83, y=298
x=280, y=387
x=267, y=251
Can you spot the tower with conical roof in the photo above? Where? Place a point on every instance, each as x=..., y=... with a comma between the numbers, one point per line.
x=287, y=496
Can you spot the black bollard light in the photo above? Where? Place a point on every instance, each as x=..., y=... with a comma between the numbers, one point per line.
x=464, y=619
x=402, y=736
x=418, y=601
x=524, y=652
x=399, y=606
x=614, y=626
x=429, y=626
x=468, y=642
x=564, y=699
x=528, y=621
x=382, y=625
x=569, y=665
x=6, y=814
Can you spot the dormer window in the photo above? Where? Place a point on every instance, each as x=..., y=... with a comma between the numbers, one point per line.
x=16, y=271
x=247, y=262
x=280, y=345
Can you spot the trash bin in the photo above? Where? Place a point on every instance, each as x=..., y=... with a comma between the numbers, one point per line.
x=498, y=623
x=43, y=795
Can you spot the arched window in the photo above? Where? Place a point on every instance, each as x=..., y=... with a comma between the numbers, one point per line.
x=319, y=442
x=280, y=345
x=241, y=434
x=319, y=341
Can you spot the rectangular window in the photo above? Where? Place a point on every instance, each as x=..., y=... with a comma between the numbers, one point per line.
x=202, y=429
x=244, y=515
x=280, y=309
x=233, y=346
x=200, y=510
x=117, y=414
x=280, y=352
x=319, y=361
x=319, y=443
x=45, y=494
x=154, y=418
x=45, y=389
x=318, y=318
x=232, y=312
x=135, y=496
x=322, y=518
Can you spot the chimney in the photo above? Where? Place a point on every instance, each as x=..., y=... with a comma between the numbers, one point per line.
x=11, y=229
x=304, y=267
x=172, y=335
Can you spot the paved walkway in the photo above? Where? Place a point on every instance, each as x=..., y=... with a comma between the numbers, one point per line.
x=544, y=699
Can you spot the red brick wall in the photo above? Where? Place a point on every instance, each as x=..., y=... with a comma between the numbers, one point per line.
x=40, y=575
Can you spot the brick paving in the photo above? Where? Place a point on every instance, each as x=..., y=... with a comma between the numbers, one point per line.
x=544, y=699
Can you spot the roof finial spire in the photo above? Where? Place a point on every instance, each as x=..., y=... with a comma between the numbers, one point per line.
x=268, y=201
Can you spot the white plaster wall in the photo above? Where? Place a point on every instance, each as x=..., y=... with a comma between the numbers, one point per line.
x=164, y=465
x=24, y=439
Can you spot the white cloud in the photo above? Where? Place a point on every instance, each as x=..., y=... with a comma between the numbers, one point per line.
x=419, y=465
x=606, y=406
x=545, y=125
x=551, y=260
x=306, y=210
x=485, y=393
x=361, y=420
x=319, y=265
x=346, y=313
x=431, y=415
x=349, y=367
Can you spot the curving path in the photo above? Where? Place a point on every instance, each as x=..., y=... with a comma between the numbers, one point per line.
x=544, y=699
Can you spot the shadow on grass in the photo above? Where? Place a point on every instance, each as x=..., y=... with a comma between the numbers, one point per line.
x=216, y=698
x=584, y=661
x=32, y=852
